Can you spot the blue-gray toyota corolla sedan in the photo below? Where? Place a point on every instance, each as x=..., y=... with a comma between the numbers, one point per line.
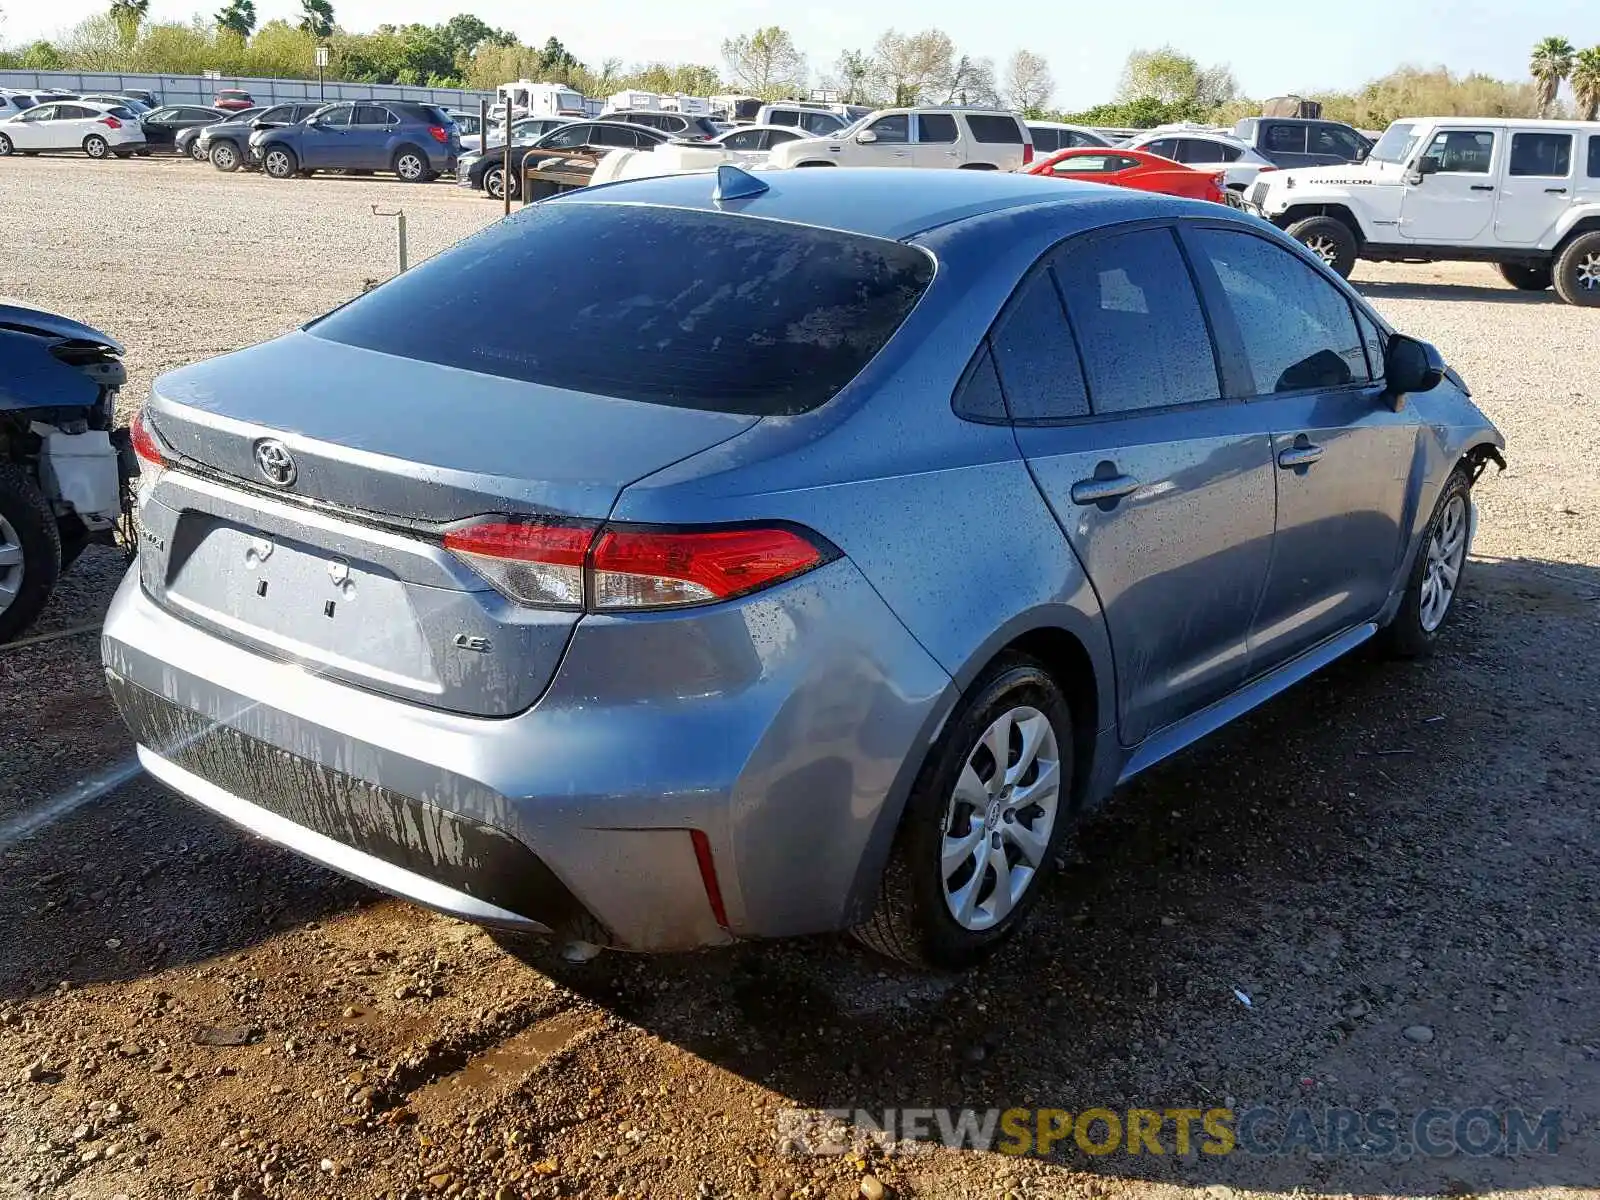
x=716, y=557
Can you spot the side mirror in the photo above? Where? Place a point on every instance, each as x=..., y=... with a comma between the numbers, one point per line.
x=1410, y=365
x=866, y=137
x=1427, y=166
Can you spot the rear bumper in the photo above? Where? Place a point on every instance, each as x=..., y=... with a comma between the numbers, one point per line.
x=780, y=730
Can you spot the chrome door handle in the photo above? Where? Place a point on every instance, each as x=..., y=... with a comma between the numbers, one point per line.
x=1101, y=489
x=1299, y=456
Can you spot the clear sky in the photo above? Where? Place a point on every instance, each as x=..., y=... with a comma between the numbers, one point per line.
x=1273, y=46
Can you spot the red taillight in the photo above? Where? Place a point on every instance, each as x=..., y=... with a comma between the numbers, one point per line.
x=1027, y=153
x=111, y=123
x=649, y=569
x=708, y=875
x=573, y=566
x=145, y=447
x=539, y=565
x=438, y=133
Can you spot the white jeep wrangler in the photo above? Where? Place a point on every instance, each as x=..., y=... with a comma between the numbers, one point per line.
x=1522, y=194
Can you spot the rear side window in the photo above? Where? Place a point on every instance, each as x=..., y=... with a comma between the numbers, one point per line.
x=995, y=130
x=745, y=316
x=1138, y=321
x=1594, y=156
x=1298, y=329
x=122, y=114
x=1037, y=361
x=1045, y=141
x=1163, y=147
x=1286, y=139
x=1541, y=154
x=1461, y=151
x=936, y=127
x=783, y=116
x=1199, y=150
x=978, y=398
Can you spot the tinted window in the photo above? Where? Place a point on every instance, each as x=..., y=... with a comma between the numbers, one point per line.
x=1462, y=151
x=979, y=396
x=334, y=116
x=371, y=114
x=122, y=114
x=1545, y=154
x=1288, y=139
x=818, y=123
x=606, y=136
x=160, y=115
x=568, y=137
x=1071, y=138
x=1594, y=156
x=745, y=139
x=197, y=114
x=1035, y=356
x=936, y=127
x=1165, y=147
x=783, y=116
x=777, y=137
x=282, y=112
x=1330, y=139
x=993, y=130
x=895, y=128
x=1138, y=320
x=1298, y=328
x=76, y=112
x=1199, y=150
x=745, y=315
x=1045, y=141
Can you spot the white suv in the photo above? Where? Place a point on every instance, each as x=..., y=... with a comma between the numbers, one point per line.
x=918, y=137
x=1522, y=194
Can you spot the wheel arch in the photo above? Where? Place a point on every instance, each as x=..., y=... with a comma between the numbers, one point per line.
x=1339, y=212
x=1588, y=223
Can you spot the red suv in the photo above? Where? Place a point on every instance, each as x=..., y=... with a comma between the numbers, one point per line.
x=233, y=99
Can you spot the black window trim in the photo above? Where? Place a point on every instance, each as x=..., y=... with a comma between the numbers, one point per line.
x=1213, y=296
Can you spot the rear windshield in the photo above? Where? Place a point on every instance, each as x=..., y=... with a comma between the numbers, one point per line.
x=692, y=309
x=995, y=129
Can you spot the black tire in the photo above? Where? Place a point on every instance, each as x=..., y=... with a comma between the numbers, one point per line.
x=28, y=514
x=491, y=183
x=1577, y=271
x=123, y=154
x=279, y=162
x=96, y=146
x=1525, y=278
x=5, y=145
x=1330, y=240
x=410, y=164
x=1408, y=635
x=913, y=921
x=225, y=156
x=305, y=174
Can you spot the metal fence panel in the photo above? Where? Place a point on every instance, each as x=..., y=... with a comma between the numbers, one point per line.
x=200, y=89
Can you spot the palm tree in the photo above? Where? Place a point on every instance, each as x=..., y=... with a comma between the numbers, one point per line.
x=239, y=17
x=128, y=14
x=1586, y=82
x=318, y=17
x=1550, y=64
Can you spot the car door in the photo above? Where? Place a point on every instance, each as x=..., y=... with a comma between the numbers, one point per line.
x=1344, y=457
x=1449, y=198
x=888, y=146
x=71, y=124
x=1537, y=189
x=31, y=130
x=1162, y=485
x=938, y=141
x=372, y=130
x=324, y=143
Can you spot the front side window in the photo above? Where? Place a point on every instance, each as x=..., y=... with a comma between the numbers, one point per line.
x=1330, y=139
x=338, y=116
x=45, y=112
x=1034, y=353
x=819, y=123
x=569, y=137
x=746, y=315
x=895, y=128
x=1297, y=328
x=1461, y=152
x=938, y=128
x=1545, y=155
x=285, y=113
x=1139, y=323
x=1286, y=139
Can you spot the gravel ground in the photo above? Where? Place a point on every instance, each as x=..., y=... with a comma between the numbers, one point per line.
x=1396, y=864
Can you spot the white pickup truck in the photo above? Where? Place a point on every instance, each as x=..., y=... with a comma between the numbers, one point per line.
x=1522, y=194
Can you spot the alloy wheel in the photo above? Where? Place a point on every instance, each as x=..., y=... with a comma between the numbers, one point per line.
x=5, y=145
x=1447, y=551
x=409, y=167
x=11, y=564
x=1323, y=247
x=95, y=147
x=195, y=152
x=223, y=156
x=492, y=183
x=277, y=164
x=1588, y=271
x=999, y=818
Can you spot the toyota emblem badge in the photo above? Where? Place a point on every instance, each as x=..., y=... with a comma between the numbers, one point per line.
x=276, y=463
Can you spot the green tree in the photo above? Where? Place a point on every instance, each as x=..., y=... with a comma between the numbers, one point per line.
x=1171, y=77
x=912, y=67
x=1586, y=82
x=1550, y=63
x=128, y=15
x=316, y=17
x=556, y=61
x=466, y=33
x=853, y=77
x=42, y=56
x=239, y=17
x=765, y=63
